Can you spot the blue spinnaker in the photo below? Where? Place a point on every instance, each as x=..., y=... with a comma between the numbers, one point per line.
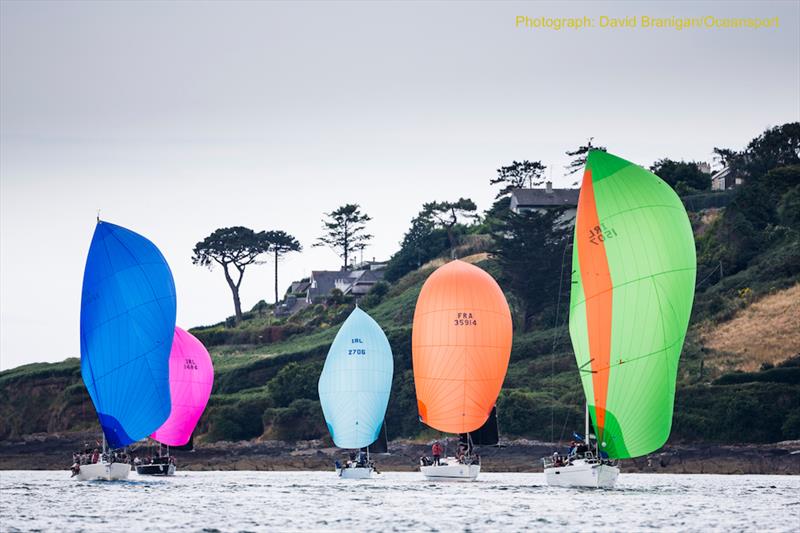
x=356, y=381
x=127, y=326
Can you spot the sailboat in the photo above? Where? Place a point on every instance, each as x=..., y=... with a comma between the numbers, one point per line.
x=354, y=390
x=461, y=344
x=127, y=323
x=191, y=377
x=633, y=276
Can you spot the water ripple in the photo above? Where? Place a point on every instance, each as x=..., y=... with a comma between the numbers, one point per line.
x=399, y=502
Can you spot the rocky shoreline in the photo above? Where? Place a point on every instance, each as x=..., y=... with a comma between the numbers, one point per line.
x=53, y=452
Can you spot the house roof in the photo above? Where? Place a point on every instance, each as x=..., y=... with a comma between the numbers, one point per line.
x=544, y=198
x=722, y=173
x=324, y=281
x=370, y=276
x=299, y=286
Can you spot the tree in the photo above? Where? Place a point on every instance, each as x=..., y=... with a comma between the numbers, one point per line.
x=517, y=175
x=345, y=231
x=530, y=250
x=238, y=247
x=421, y=243
x=579, y=156
x=447, y=214
x=280, y=243
x=776, y=147
x=676, y=173
x=294, y=381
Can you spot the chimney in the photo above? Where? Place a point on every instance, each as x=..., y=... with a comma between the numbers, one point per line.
x=548, y=187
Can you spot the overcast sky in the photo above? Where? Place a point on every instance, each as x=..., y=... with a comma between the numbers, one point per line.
x=177, y=118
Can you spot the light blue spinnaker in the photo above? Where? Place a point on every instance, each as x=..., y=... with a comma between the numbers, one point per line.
x=127, y=326
x=356, y=381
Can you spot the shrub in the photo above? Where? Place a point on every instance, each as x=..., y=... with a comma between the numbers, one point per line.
x=295, y=381
x=301, y=420
x=240, y=421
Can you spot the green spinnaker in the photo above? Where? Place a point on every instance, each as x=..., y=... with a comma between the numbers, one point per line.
x=633, y=277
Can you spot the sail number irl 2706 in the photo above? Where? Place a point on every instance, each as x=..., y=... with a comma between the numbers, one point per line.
x=465, y=319
x=356, y=351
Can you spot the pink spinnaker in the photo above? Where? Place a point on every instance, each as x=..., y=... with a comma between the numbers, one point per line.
x=191, y=376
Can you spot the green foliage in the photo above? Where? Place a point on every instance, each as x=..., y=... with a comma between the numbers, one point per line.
x=239, y=421
x=295, y=381
x=771, y=375
x=279, y=243
x=530, y=250
x=267, y=368
x=749, y=412
x=421, y=243
x=534, y=414
x=301, y=420
x=447, y=215
x=789, y=208
x=579, y=155
x=375, y=295
x=402, y=419
x=518, y=175
x=682, y=176
x=749, y=226
x=237, y=247
x=791, y=427
x=776, y=147
x=336, y=297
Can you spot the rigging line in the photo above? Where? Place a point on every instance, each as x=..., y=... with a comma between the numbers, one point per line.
x=555, y=340
x=697, y=286
x=564, y=427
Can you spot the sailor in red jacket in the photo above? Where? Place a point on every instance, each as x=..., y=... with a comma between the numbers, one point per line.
x=436, y=450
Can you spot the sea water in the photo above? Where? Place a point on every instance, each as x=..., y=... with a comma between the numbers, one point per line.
x=320, y=501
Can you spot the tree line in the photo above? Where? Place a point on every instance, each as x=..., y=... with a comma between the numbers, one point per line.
x=236, y=248
x=530, y=247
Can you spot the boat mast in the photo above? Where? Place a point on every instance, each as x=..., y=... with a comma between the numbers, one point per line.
x=105, y=445
x=586, y=425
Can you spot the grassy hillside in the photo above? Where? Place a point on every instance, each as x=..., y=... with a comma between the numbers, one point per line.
x=765, y=332
x=739, y=373
x=269, y=390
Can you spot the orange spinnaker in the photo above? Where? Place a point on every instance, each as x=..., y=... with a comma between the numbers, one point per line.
x=597, y=287
x=461, y=343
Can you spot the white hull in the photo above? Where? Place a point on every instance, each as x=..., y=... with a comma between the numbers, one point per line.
x=355, y=473
x=582, y=474
x=104, y=471
x=451, y=471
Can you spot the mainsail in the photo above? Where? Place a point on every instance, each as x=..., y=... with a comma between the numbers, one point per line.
x=461, y=344
x=633, y=275
x=356, y=381
x=191, y=376
x=127, y=325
